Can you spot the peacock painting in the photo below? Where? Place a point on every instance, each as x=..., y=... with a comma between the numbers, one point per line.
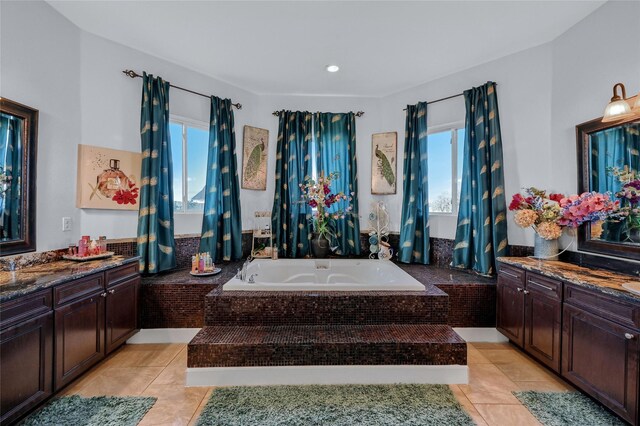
x=255, y=158
x=383, y=167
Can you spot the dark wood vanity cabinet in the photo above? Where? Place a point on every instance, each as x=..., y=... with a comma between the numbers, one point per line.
x=26, y=354
x=600, y=349
x=529, y=312
x=50, y=337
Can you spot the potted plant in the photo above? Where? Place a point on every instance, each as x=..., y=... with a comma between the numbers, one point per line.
x=318, y=195
x=549, y=215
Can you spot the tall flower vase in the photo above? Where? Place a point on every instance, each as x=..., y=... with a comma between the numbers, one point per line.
x=320, y=246
x=545, y=249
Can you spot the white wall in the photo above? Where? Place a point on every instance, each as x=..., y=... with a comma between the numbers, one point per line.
x=40, y=66
x=75, y=79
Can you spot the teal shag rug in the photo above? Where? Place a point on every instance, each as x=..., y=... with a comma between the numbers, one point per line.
x=334, y=405
x=566, y=408
x=97, y=411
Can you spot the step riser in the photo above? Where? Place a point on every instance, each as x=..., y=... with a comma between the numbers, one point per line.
x=327, y=354
x=286, y=308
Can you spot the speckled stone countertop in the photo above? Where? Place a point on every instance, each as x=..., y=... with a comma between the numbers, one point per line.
x=599, y=279
x=34, y=278
x=183, y=276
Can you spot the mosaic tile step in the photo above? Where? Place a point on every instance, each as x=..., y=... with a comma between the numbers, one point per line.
x=407, y=344
x=317, y=308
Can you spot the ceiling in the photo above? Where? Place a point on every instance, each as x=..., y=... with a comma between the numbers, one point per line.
x=274, y=47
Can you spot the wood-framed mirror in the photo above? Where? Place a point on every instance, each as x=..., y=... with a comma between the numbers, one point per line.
x=609, y=161
x=18, y=148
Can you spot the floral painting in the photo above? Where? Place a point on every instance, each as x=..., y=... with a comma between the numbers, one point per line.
x=254, y=158
x=384, y=177
x=108, y=178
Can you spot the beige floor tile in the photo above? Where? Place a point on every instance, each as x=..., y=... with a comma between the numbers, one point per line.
x=145, y=355
x=506, y=415
x=120, y=381
x=474, y=356
x=504, y=356
x=490, y=345
x=526, y=371
x=175, y=372
x=176, y=405
x=545, y=386
x=488, y=385
x=196, y=415
x=467, y=405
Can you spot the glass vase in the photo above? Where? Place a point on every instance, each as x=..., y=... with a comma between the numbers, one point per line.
x=545, y=249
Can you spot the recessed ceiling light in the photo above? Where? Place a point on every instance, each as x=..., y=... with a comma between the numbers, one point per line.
x=333, y=68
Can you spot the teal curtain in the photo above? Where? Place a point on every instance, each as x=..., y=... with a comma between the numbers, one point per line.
x=481, y=235
x=414, y=232
x=156, y=246
x=290, y=216
x=336, y=151
x=222, y=220
x=615, y=147
x=11, y=152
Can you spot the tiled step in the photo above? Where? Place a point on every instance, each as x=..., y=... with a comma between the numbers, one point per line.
x=271, y=308
x=289, y=345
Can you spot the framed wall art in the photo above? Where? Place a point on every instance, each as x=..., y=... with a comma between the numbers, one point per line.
x=255, y=143
x=108, y=178
x=384, y=176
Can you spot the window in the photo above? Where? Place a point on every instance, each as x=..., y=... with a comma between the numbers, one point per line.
x=189, y=151
x=445, y=148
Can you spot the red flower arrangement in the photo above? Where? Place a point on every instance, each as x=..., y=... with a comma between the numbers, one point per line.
x=128, y=196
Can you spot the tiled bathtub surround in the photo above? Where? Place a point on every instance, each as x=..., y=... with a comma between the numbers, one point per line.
x=421, y=344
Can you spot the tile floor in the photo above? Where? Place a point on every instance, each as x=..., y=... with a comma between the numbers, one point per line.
x=495, y=369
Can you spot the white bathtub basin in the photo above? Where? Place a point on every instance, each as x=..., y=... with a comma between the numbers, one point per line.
x=325, y=275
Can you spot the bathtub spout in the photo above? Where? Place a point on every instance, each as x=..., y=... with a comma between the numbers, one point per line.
x=243, y=272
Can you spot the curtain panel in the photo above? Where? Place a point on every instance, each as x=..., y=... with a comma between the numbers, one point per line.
x=336, y=152
x=11, y=152
x=222, y=219
x=481, y=234
x=291, y=216
x=156, y=246
x=414, y=234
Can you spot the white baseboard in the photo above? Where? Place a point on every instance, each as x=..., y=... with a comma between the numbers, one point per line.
x=163, y=335
x=327, y=375
x=480, y=334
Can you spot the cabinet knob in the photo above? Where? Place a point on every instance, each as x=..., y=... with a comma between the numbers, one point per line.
x=519, y=289
x=527, y=292
x=629, y=336
x=103, y=295
x=112, y=291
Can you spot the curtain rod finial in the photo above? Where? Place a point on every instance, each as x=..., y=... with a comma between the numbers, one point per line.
x=238, y=105
x=131, y=73
x=359, y=113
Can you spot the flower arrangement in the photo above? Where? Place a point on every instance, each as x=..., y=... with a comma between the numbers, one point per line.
x=318, y=196
x=548, y=215
x=629, y=195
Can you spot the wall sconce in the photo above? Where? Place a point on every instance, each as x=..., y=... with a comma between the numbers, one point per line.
x=620, y=106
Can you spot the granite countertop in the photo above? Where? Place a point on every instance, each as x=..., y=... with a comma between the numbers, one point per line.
x=183, y=276
x=30, y=279
x=608, y=282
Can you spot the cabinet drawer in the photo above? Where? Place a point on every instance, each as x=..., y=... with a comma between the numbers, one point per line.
x=511, y=273
x=121, y=273
x=544, y=285
x=612, y=308
x=25, y=307
x=77, y=289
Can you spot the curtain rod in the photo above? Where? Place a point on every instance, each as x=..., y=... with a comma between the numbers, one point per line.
x=134, y=74
x=278, y=113
x=444, y=99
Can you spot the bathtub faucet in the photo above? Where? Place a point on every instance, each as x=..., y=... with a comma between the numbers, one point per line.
x=242, y=274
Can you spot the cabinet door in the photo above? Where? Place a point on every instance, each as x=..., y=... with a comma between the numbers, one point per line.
x=542, y=329
x=79, y=335
x=26, y=361
x=510, y=309
x=601, y=358
x=122, y=312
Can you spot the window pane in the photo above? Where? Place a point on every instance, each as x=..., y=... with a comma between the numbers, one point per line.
x=197, y=151
x=460, y=161
x=439, y=155
x=175, y=131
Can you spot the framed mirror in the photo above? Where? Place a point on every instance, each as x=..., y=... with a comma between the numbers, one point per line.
x=18, y=147
x=609, y=161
